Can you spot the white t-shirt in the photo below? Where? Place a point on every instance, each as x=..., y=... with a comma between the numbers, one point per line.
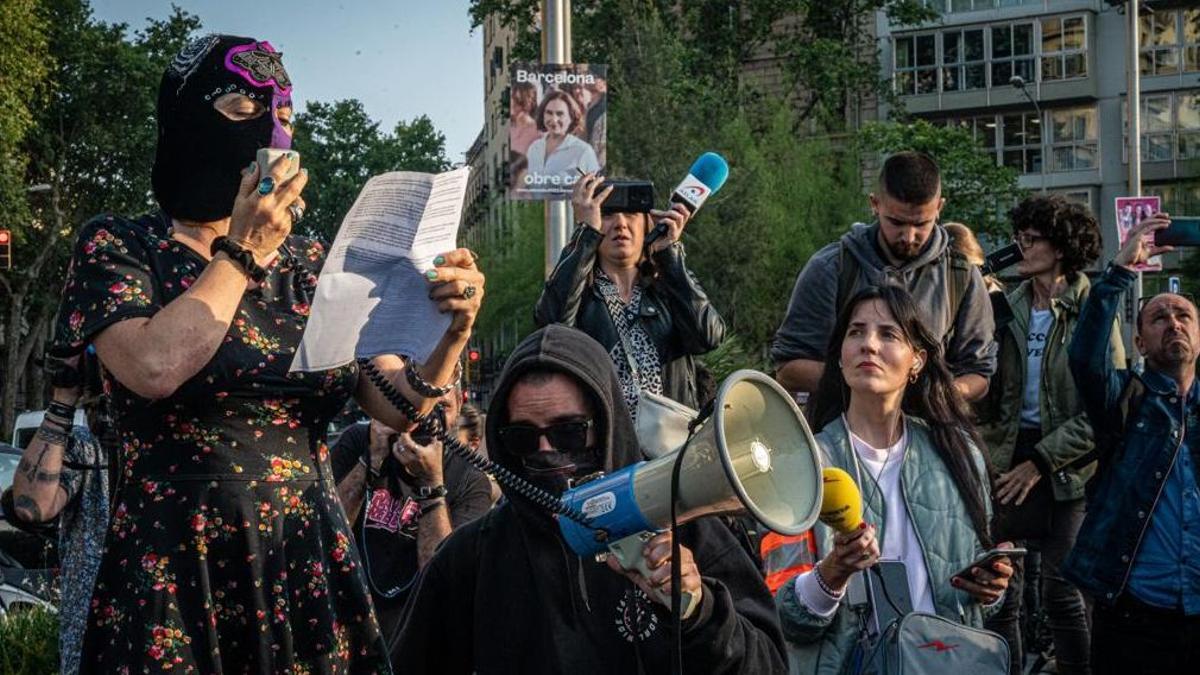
x=570, y=157
x=1040, y=323
x=900, y=541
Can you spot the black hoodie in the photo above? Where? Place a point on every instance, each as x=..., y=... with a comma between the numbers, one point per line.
x=506, y=595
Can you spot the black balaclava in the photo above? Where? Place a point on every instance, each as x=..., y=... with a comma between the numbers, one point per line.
x=201, y=152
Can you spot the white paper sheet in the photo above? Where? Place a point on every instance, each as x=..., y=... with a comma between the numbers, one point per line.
x=372, y=297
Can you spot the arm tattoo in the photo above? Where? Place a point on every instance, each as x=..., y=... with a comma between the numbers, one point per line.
x=52, y=436
x=27, y=509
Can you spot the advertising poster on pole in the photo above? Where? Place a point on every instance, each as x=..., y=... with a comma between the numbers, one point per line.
x=1131, y=211
x=557, y=122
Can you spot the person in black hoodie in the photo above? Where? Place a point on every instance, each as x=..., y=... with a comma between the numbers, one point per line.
x=505, y=594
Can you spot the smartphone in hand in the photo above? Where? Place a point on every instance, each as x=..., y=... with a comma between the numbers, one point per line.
x=985, y=561
x=267, y=156
x=1183, y=231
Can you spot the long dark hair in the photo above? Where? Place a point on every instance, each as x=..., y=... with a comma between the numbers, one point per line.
x=932, y=398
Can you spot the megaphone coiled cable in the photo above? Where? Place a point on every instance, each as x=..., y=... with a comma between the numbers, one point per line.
x=433, y=426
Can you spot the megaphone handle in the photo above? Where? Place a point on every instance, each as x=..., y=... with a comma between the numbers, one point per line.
x=629, y=553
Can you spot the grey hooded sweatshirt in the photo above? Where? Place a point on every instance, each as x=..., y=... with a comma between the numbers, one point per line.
x=812, y=311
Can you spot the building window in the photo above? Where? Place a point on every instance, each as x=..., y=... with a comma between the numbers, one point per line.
x=1022, y=137
x=1054, y=49
x=1170, y=42
x=916, y=64
x=1074, y=139
x=1177, y=197
x=1064, y=48
x=1083, y=197
x=964, y=65
x=1012, y=53
x=1187, y=120
x=953, y=6
x=1170, y=126
x=1016, y=139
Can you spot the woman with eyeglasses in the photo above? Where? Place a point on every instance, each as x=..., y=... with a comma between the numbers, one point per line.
x=891, y=417
x=1033, y=421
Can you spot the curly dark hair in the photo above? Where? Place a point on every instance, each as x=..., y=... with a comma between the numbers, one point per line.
x=1070, y=227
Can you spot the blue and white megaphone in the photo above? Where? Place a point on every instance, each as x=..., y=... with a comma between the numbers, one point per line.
x=754, y=454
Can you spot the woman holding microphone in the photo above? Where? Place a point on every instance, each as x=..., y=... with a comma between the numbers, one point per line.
x=641, y=303
x=892, y=418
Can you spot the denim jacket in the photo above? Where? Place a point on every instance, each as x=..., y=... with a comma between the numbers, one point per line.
x=1128, y=484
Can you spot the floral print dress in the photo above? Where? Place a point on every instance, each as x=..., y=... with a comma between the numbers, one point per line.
x=227, y=551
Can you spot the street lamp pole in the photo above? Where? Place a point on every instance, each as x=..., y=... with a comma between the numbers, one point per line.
x=556, y=48
x=1134, y=102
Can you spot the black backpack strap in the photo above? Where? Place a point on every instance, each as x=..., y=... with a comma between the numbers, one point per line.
x=957, y=273
x=847, y=276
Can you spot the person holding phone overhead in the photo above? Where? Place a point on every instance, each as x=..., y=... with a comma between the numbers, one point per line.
x=643, y=305
x=227, y=550
x=891, y=417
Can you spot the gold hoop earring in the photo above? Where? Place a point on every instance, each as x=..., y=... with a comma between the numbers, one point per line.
x=912, y=378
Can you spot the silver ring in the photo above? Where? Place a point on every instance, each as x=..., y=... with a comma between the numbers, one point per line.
x=297, y=212
x=468, y=292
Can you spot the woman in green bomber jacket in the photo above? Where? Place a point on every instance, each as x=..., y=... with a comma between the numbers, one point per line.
x=891, y=417
x=1033, y=422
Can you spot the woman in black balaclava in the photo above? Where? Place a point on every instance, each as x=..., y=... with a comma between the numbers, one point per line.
x=227, y=550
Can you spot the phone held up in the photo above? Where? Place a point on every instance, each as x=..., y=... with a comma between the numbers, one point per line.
x=1183, y=231
x=267, y=156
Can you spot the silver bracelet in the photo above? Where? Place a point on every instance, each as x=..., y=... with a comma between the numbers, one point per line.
x=424, y=388
x=825, y=584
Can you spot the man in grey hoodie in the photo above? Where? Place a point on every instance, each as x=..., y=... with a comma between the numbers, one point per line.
x=905, y=246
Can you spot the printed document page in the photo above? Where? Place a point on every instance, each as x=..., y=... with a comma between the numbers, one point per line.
x=372, y=297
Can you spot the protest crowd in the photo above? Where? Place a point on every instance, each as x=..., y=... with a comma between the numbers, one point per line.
x=213, y=530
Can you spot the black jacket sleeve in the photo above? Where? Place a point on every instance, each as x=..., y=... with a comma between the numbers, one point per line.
x=736, y=628
x=351, y=445
x=563, y=292
x=697, y=325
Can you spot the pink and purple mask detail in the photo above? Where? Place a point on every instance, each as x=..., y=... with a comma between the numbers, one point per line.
x=262, y=66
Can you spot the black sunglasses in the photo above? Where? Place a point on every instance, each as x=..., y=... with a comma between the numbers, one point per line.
x=522, y=439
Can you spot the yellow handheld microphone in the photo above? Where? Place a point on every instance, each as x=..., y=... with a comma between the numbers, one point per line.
x=841, y=504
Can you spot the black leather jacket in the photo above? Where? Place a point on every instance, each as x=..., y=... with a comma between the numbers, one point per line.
x=675, y=312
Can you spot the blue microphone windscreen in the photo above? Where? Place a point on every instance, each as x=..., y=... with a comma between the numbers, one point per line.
x=711, y=169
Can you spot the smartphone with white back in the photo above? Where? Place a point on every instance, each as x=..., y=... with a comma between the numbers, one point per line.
x=267, y=156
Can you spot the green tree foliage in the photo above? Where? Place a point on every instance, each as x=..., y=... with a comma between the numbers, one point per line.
x=341, y=146
x=978, y=192
x=91, y=139
x=827, y=48
x=786, y=195
x=24, y=62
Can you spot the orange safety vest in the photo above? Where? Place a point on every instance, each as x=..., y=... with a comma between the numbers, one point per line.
x=786, y=557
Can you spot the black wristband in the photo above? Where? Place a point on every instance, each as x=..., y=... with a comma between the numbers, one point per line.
x=425, y=494
x=60, y=409
x=240, y=256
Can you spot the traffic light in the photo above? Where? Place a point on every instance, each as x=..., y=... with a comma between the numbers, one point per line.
x=5, y=250
x=473, y=355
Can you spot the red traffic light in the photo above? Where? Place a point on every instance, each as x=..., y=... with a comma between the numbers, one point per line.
x=5, y=236
x=473, y=355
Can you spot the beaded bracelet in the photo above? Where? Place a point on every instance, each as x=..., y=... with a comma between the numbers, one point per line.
x=825, y=587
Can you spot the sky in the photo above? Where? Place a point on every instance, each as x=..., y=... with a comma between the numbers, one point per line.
x=401, y=58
